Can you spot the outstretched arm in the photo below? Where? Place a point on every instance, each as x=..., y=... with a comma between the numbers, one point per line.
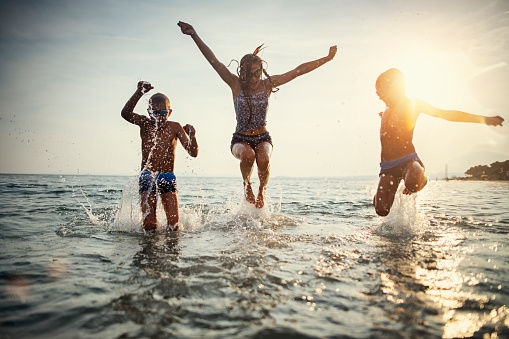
x=127, y=111
x=459, y=116
x=220, y=68
x=304, y=68
x=187, y=137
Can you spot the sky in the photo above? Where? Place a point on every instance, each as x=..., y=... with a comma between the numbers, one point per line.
x=68, y=67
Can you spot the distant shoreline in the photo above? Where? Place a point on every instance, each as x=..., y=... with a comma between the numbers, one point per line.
x=474, y=179
x=187, y=175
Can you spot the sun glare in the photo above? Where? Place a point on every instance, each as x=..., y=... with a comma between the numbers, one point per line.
x=430, y=76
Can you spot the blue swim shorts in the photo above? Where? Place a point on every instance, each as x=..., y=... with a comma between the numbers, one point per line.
x=157, y=182
x=395, y=167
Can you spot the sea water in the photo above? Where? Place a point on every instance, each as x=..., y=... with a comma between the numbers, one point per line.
x=315, y=263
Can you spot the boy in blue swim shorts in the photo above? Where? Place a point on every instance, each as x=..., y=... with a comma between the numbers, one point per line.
x=399, y=161
x=161, y=183
x=158, y=144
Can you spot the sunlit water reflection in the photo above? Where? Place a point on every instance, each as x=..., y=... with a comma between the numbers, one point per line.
x=316, y=262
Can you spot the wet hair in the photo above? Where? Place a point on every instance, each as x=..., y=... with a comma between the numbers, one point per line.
x=390, y=77
x=246, y=64
x=159, y=98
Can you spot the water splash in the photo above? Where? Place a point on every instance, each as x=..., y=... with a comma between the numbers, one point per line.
x=404, y=220
x=129, y=216
x=233, y=214
x=93, y=218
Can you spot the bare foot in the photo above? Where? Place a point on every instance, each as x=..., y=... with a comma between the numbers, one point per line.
x=406, y=191
x=260, y=200
x=248, y=193
x=150, y=227
x=173, y=228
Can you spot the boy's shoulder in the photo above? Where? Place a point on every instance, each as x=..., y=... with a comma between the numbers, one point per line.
x=174, y=124
x=174, y=127
x=168, y=123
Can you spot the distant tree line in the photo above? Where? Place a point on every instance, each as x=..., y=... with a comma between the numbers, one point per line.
x=495, y=171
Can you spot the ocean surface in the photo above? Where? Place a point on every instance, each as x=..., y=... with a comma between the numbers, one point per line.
x=315, y=263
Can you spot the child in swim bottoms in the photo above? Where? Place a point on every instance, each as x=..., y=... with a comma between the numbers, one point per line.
x=399, y=161
x=158, y=145
x=396, y=167
x=160, y=182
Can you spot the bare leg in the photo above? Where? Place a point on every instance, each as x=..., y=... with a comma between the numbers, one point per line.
x=171, y=208
x=148, y=209
x=263, y=153
x=385, y=193
x=246, y=155
x=415, y=180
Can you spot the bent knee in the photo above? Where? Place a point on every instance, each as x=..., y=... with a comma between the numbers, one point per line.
x=247, y=157
x=382, y=212
x=381, y=209
x=243, y=152
x=415, y=186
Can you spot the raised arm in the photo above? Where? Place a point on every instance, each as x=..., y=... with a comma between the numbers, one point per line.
x=458, y=116
x=187, y=137
x=304, y=68
x=127, y=111
x=224, y=73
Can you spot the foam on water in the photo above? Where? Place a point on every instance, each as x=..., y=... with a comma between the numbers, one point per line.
x=405, y=218
x=236, y=212
x=128, y=217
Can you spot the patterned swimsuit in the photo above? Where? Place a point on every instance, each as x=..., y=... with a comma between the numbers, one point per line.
x=249, y=120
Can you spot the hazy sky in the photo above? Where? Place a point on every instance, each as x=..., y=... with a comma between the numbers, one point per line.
x=68, y=67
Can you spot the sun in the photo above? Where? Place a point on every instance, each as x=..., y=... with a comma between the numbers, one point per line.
x=431, y=76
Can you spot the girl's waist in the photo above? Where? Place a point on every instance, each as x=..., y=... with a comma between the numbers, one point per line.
x=257, y=131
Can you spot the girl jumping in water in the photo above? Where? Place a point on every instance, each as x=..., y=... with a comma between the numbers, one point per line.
x=251, y=141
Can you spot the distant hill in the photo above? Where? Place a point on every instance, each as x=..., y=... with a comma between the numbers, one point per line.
x=495, y=171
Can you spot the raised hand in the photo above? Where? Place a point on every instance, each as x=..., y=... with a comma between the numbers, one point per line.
x=187, y=29
x=144, y=87
x=494, y=121
x=332, y=52
x=189, y=129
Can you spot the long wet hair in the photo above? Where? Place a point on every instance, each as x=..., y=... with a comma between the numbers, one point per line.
x=246, y=64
